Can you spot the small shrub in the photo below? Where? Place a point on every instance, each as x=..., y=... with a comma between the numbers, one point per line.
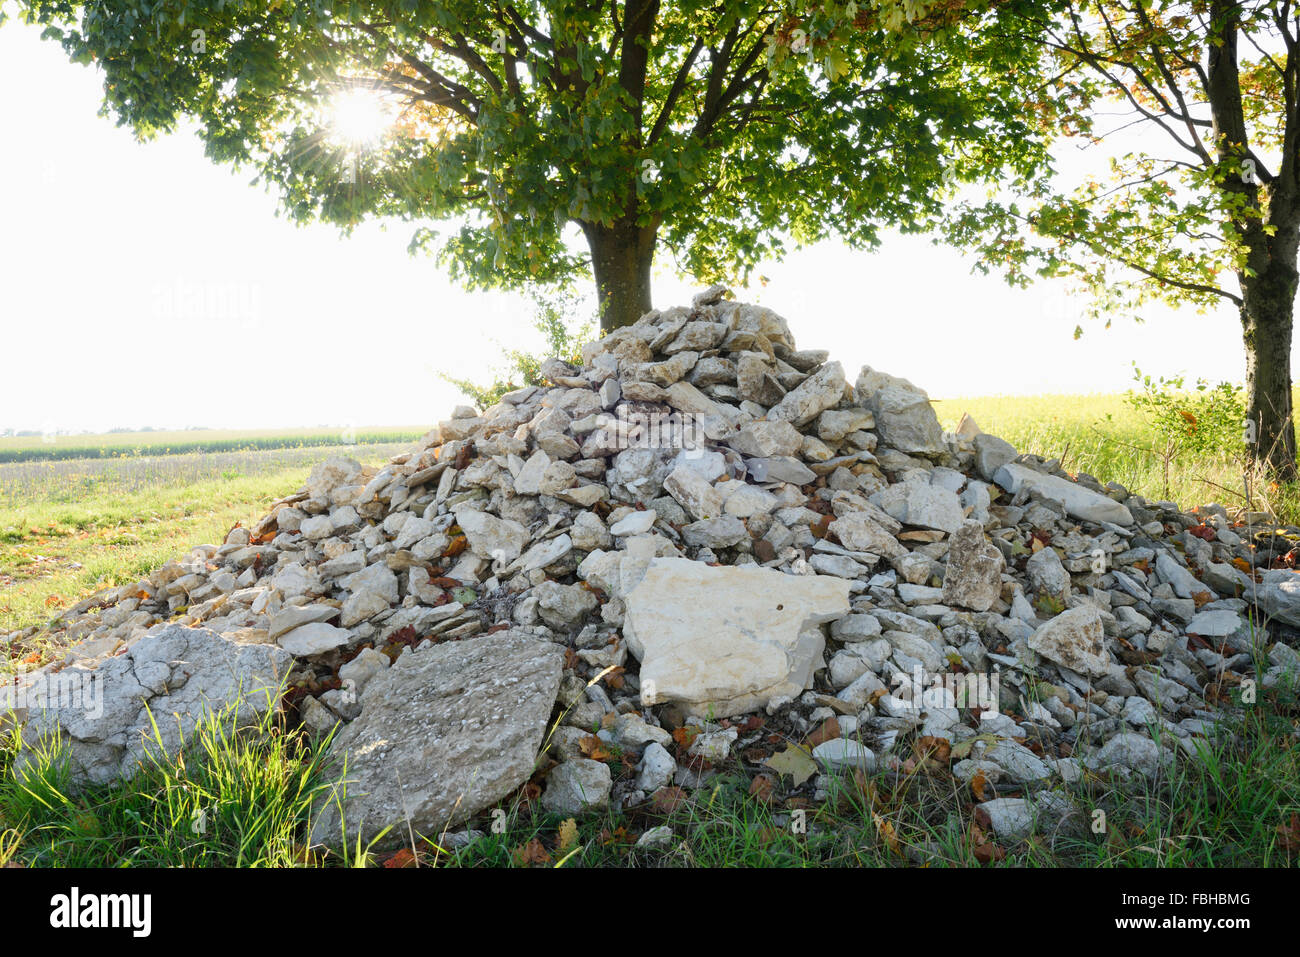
x=1204, y=420
x=556, y=318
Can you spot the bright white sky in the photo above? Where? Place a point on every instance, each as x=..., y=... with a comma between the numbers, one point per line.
x=144, y=285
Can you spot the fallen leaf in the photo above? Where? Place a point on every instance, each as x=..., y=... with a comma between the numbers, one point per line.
x=886, y=832
x=933, y=748
x=794, y=761
x=761, y=788
x=685, y=736
x=567, y=838
x=828, y=731
x=531, y=854
x=1288, y=835
x=963, y=749
x=400, y=859
x=592, y=747
x=667, y=799
x=619, y=835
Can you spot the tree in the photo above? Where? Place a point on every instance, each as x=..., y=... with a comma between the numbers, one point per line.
x=1216, y=218
x=721, y=130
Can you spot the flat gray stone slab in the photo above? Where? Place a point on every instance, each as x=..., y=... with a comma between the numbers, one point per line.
x=443, y=733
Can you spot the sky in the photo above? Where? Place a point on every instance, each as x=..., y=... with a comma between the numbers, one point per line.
x=143, y=285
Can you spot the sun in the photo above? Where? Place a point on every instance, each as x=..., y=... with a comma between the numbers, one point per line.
x=359, y=117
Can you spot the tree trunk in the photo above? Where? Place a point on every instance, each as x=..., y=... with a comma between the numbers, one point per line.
x=1266, y=320
x=620, y=257
x=1268, y=281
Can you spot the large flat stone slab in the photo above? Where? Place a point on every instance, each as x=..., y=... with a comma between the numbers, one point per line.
x=1079, y=502
x=1279, y=595
x=102, y=709
x=443, y=733
x=727, y=640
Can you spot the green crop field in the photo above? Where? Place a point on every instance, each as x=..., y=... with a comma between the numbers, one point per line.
x=71, y=527
x=38, y=448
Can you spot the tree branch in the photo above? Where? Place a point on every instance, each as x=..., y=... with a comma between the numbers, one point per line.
x=674, y=92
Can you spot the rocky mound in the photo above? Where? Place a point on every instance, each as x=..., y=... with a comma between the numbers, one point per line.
x=704, y=530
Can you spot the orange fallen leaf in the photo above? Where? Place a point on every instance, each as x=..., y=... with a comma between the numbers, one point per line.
x=761, y=788
x=619, y=835
x=531, y=854
x=1288, y=835
x=828, y=731
x=403, y=858
x=887, y=833
x=592, y=747
x=667, y=799
x=988, y=853
x=934, y=748
x=685, y=736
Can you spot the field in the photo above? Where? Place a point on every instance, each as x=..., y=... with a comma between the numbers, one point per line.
x=69, y=528
x=1107, y=438
x=49, y=448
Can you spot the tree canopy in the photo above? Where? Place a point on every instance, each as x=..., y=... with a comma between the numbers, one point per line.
x=1195, y=107
x=723, y=131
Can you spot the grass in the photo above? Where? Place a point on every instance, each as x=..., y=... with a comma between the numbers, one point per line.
x=233, y=798
x=1234, y=805
x=245, y=798
x=1105, y=437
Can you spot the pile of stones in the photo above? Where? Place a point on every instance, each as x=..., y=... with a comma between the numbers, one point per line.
x=699, y=547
